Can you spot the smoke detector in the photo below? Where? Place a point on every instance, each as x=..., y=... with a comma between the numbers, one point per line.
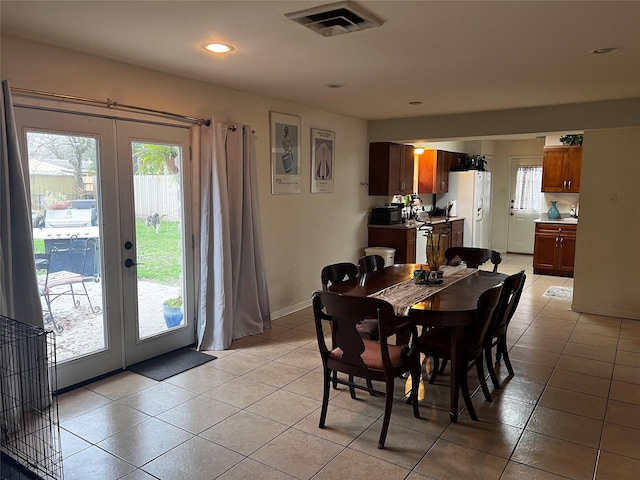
x=335, y=18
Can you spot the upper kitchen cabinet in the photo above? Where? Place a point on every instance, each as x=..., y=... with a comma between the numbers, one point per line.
x=433, y=170
x=390, y=168
x=561, y=169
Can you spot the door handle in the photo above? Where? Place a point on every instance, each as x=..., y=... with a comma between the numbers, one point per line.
x=130, y=263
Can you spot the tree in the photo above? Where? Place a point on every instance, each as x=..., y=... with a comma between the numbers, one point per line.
x=154, y=159
x=76, y=150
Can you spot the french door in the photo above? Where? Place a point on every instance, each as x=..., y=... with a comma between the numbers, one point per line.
x=112, y=235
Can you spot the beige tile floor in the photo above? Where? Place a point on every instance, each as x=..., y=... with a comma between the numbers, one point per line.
x=571, y=411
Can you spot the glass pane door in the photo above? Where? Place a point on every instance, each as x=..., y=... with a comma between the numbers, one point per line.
x=72, y=233
x=112, y=237
x=155, y=183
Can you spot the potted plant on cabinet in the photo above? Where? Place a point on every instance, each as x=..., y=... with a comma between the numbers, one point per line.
x=172, y=309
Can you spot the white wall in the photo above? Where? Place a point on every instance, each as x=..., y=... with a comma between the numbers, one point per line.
x=301, y=233
x=607, y=270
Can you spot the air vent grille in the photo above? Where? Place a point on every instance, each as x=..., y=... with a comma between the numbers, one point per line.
x=335, y=19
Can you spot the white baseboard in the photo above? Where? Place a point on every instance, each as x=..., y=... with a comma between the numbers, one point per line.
x=290, y=309
x=576, y=307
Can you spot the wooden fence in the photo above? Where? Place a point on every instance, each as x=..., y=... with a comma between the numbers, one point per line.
x=159, y=194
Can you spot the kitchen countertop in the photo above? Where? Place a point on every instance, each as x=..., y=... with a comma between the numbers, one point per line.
x=403, y=226
x=563, y=220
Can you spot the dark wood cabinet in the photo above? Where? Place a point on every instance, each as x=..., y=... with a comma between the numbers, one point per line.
x=457, y=233
x=405, y=239
x=391, y=168
x=402, y=238
x=433, y=171
x=554, y=249
x=561, y=167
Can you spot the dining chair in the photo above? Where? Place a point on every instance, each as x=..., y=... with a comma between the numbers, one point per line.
x=370, y=263
x=473, y=257
x=55, y=284
x=338, y=273
x=497, y=334
x=360, y=357
x=436, y=342
x=341, y=272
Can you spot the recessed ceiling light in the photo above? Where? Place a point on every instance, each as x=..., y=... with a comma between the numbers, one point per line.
x=217, y=47
x=415, y=103
x=602, y=51
x=335, y=85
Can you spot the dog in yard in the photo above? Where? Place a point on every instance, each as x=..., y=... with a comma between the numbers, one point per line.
x=153, y=221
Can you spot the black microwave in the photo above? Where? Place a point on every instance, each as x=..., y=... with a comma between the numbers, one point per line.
x=387, y=215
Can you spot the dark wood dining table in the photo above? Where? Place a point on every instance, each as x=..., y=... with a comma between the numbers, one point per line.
x=456, y=305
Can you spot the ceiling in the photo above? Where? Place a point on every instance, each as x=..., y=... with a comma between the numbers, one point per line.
x=453, y=56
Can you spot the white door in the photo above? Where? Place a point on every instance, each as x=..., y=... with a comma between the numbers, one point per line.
x=525, y=203
x=83, y=210
x=153, y=180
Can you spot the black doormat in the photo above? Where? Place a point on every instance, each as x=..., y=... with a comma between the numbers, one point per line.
x=170, y=364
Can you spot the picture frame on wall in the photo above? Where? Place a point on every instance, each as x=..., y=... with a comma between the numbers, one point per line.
x=322, y=160
x=285, y=153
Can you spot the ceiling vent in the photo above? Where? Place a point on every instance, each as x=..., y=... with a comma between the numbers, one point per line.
x=335, y=19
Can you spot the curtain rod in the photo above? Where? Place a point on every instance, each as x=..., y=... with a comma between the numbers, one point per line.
x=111, y=104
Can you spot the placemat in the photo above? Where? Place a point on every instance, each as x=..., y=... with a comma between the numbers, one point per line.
x=405, y=294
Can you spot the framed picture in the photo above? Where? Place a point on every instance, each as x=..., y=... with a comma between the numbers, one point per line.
x=322, y=160
x=285, y=153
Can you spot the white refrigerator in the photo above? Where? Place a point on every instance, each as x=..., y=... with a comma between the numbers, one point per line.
x=471, y=193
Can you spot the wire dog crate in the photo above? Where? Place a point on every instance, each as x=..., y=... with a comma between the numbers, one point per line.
x=29, y=427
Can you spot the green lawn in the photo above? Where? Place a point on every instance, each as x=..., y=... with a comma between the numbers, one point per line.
x=158, y=253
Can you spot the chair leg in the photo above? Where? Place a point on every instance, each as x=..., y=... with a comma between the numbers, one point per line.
x=502, y=346
x=325, y=397
x=352, y=390
x=492, y=370
x=370, y=385
x=415, y=385
x=434, y=370
x=482, y=379
x=388, y=404
x=335, y=383
x=464, y=387
x=443, y=366
x=58, y=328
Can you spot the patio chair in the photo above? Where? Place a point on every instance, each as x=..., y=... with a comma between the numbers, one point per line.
x=53, y=285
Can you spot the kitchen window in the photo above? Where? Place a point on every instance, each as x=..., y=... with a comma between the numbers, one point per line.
x=528, y=188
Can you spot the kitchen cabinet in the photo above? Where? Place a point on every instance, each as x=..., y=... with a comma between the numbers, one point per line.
x=390, y=168
x=561, y=168
x=457, y=233
x=433, y=170
x=406, y=242
x=554, y=249
x=400, y=237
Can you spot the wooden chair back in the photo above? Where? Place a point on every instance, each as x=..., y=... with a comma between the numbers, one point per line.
x=370, y=263
x=338, y=273
x=509, y=299
x=474, y=257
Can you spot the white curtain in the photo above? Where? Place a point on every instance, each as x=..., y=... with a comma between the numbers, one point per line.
x=528, y=185
x=234, y=300
x=19, y=297
x=22, y=373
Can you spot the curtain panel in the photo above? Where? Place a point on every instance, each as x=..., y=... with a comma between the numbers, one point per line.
x=233, y=297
